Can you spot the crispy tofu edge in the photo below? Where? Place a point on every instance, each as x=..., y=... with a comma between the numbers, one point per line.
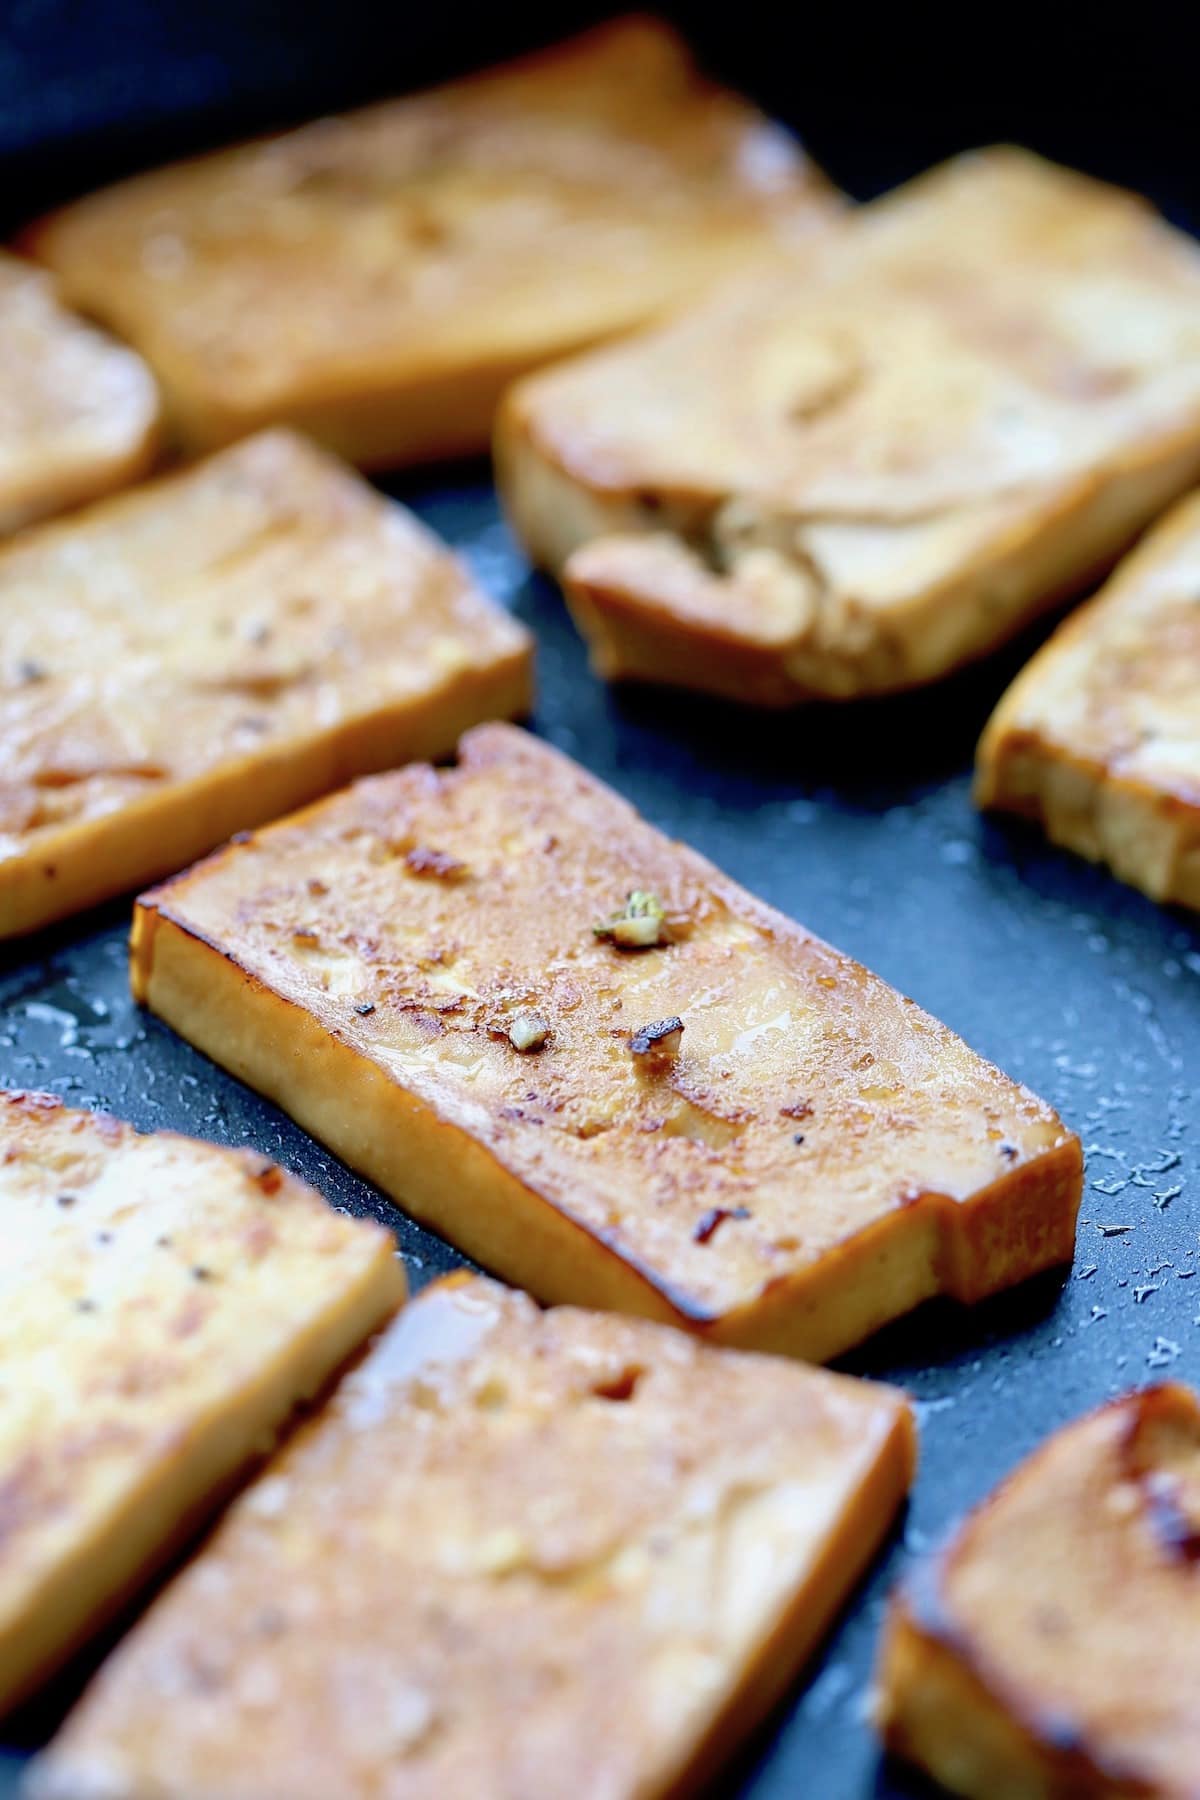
x=1019, y=1225
x=1148, y=835
x=189, y=1482
x=939, y=1705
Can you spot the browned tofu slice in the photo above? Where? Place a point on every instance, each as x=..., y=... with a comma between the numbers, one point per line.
x=853, y=477
x=737, y=1130
x=212, y=650
x=79, y=414
x=378, y=278
x=518, y=1553
x=1052, y=1652
x=165, y=1305
x=1098, y=739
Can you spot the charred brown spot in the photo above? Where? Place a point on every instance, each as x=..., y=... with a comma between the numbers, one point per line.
x=799, y=1109
x=711, y=1221
x=269, y=1176
x=622, y=1386
x=438, y=864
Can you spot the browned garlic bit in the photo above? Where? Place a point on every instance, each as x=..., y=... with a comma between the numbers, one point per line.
x=528, y=1031
x=659, y=1040
x=639, y=925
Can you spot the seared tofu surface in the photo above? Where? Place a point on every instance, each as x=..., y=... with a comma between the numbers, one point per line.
x=1053, y=1649
x=517, y=1553
x=79, y=414
x=681, y=1104
x=856, y=475
x=378, y=278
x=164, y=1305
x=1098, y=739
x=214, y=649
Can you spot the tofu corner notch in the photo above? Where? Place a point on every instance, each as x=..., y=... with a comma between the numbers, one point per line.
x=79, y=413
x=598, y=1066
x=378, y=278
x=1052, y=1648
x=206, y=652
x=476, y=1572
x=853, y=476
x=166, y=1306
x=1098, y=738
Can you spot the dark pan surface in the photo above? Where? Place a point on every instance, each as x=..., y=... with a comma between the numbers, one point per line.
x=857, y=822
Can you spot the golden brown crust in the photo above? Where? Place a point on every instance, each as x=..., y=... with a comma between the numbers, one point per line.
x=1052, y=1651
x=951, y=411
x=517, y=1553
x=377, y=279
x=164, y=1305
x=1099, y=736
x=79, y=414
x=859, y=1156
x=208, y=652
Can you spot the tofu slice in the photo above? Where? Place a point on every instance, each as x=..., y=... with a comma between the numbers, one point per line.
x=853, y=476
x=517, y=1553
x=377, y=279
x=740, y=1132
x=214, y=649
x=1098, y=739
x=79, y=414
x=1053, y=1650
x=166, y=1305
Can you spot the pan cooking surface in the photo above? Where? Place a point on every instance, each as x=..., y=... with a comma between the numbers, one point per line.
x=858, y=822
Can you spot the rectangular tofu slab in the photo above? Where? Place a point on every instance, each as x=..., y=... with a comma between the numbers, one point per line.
x=377, y=279
x=517, y=1553
x=79, y=414
x=1053, y=1649
x=212, y=650
x=165, y=1306
x=734, y=1129
x=1098, y=739
x=854, y=476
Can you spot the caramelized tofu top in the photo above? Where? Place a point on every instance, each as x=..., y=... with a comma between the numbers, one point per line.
x=78, y=413
x=1072, y=1595
x=497, y=221
x=1117, y=687
x=989, y=331
x=230, y=612
x=145, y=1283
x=517, y=1553
x=431, y=918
